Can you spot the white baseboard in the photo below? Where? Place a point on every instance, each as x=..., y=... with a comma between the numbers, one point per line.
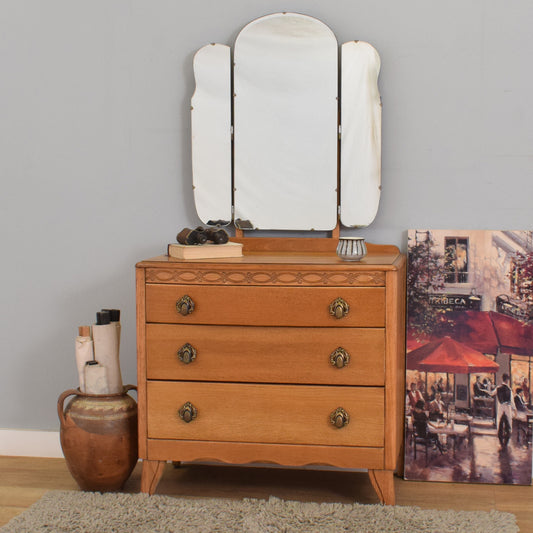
x=30, y=443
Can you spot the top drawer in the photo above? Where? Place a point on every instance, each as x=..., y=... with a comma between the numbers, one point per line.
x=267, y=306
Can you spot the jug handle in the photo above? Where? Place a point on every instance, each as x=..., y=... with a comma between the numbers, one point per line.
x=129, y=387
x=61, y=401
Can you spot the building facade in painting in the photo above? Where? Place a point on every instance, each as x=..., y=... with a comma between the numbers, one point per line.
x=469, y=322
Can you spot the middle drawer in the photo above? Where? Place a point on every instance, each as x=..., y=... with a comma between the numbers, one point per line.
x=340, y=356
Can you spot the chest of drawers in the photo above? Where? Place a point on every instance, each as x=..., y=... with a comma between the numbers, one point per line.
x=275, y=357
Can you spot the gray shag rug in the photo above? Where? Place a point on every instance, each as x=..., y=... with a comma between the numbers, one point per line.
x=93, y=512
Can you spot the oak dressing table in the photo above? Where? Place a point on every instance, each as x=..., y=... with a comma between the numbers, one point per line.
x=286, y=355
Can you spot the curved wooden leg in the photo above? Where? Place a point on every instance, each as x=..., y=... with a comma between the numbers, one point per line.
x=151, y=474
x=383, y=483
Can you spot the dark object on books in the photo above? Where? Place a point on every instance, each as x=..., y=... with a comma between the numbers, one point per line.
x=201, y=235
x=191, y=236
x=217, y=235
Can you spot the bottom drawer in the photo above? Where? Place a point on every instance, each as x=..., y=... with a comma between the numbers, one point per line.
x=290, y=414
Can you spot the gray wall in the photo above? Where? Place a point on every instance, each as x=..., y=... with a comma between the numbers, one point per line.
x=95, y=149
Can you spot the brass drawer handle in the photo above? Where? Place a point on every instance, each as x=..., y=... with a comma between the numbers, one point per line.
x=185, y=305
x=188, y=412
x=339, y=418
x=339, y=358
x=187, y=353
x=339, y=308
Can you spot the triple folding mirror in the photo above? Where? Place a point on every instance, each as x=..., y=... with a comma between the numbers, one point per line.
x=286, y=135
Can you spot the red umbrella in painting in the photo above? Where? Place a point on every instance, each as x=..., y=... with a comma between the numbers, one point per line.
x=448, y=355
x=513, y=336
x=473, y=328
x=488, y=331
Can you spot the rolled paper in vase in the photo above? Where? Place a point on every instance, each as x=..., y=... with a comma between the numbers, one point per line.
x=96, y=378
x=106, y=353
x=114, y=317
x=84, y=352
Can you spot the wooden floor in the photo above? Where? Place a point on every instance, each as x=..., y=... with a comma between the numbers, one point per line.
x=23, y=480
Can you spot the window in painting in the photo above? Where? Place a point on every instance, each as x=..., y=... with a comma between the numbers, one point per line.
x=456, y=260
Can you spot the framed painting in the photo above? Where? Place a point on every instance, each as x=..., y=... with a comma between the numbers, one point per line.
x=469, y=414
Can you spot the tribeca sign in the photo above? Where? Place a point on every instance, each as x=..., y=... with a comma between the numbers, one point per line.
x=454, y=301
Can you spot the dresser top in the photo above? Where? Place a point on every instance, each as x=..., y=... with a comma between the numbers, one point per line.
x=379, y=257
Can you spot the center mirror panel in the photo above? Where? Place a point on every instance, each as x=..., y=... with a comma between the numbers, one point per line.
x=285, y=124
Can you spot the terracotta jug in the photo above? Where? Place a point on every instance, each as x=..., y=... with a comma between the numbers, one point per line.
x=99, y=438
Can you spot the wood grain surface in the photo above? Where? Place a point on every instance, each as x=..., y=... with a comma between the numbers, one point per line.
x=266, y=355
x=244, y=412
x=266, y=306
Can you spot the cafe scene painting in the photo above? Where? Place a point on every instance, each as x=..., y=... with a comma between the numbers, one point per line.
x=468, y=403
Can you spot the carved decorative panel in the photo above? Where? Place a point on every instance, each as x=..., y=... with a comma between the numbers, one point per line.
x=265, y=277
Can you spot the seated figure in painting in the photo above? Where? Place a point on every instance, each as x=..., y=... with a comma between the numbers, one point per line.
x=437, y=387
x=480, y=389
x=488, y=386
x=522, y=416
x=422, y=426
x=522, y=411
x=437, y=408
